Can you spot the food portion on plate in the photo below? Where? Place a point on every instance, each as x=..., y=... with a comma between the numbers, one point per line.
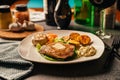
x=68, y=47
x=57, y=50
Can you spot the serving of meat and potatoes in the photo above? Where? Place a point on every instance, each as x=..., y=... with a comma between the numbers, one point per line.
x=69, y=47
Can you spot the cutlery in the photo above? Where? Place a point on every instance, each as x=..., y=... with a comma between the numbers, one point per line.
x=116, y=46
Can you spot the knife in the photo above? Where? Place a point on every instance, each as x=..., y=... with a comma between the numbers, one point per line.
x=109, y=44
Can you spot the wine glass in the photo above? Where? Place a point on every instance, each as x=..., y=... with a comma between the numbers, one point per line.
x=62, y=14
x=106, y=8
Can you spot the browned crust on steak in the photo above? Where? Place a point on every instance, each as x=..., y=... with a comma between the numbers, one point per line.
x=49, y=50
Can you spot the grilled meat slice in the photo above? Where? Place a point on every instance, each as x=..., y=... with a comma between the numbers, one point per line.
x=58, y=50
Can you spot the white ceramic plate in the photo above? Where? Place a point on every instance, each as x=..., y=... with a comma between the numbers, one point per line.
x=28, y=51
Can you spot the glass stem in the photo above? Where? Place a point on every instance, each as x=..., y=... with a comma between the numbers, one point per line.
x=102, y=21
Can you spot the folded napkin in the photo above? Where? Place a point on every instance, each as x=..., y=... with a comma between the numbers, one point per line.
x=12, y=66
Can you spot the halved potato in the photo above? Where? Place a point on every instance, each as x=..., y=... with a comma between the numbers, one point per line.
x=85, y=40
x=75, y=36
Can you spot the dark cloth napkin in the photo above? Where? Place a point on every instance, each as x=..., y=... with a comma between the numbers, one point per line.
x=12, y=66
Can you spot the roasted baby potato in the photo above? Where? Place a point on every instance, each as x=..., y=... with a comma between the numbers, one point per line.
x=85, y=40
x=75, y=36
x=39, y=38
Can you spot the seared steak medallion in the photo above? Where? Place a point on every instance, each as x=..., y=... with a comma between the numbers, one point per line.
x=58, y=50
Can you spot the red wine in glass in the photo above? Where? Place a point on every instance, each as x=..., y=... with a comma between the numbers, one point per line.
x=103, y=6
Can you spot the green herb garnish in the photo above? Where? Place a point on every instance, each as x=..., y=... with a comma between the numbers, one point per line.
x=38, y=46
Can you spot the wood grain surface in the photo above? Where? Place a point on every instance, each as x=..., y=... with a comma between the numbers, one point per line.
x=19, y=35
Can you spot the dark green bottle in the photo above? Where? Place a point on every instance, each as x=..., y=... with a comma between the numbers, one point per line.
x=84, y=12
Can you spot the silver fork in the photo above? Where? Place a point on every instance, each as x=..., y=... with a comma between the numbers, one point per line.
x=116, y=46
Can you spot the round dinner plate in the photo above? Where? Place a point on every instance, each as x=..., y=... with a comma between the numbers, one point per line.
x=27, y=50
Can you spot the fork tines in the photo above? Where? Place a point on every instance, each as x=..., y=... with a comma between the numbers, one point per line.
x=116, y=41
x=116, y=46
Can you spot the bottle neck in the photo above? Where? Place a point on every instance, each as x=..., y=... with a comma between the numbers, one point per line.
x=63, y=1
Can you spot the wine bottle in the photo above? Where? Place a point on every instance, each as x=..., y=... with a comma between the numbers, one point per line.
x=49, y=6
x=62, y=14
